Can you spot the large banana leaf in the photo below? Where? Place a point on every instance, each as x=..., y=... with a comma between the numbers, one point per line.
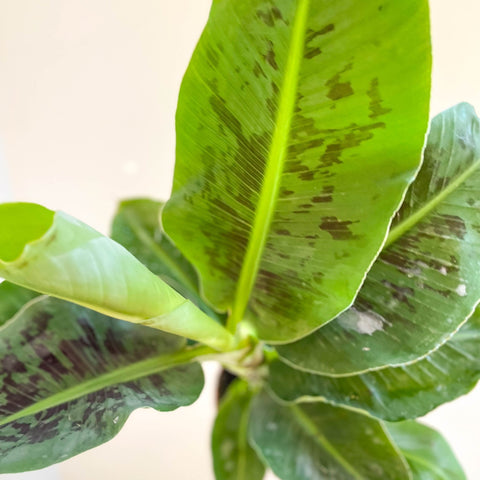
x=137, y=227
x=319, y=442
x=425, y=284
x=56, y=254
x=295, y=143
x=70, y=377
x=233, y=457
x=392, y=393
x=427, y=453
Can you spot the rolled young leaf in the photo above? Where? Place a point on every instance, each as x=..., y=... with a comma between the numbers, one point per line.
x=295, y=144
x=56, y=254
x=425, y=283
x=136, y=226
x=392, y=393
x=70, y=377
x=233, y=457
x=427, y=453
x=318, y=442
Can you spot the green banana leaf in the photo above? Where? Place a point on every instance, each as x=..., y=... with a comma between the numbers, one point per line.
x=425, y=284
x=136, y=226
x=295, y=144
x=58, y=255
x=233, y=457
x=428, y=454
x=70, y=377
x=392, y=393
x=319, y=442
x=12, y=298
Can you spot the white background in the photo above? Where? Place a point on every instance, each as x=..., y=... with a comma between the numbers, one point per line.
x=87, y=99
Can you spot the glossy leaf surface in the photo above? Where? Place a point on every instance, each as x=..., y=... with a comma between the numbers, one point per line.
x=70, y=377
x=295, y=144
x=425, y=284
x=393, y=393
x=136, y=226
x=427, y=453
x=233, y=458
x=318, y=442
x=56, y=254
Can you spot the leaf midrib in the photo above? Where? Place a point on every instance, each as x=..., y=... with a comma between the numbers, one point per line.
x=415, y=459
x=400, y=229
x=126, y=374
x=312, y=429
x=243, y=442
x=274, y=168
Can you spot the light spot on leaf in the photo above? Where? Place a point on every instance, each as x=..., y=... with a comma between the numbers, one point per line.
x=365, y=323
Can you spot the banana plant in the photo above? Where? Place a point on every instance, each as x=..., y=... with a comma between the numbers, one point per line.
x=318, y=244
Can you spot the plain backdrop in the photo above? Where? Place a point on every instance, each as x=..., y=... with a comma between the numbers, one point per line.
x=87, y=100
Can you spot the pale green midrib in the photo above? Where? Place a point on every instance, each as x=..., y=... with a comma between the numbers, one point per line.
x=412, y=220
x=243, y=442
x=274, y=168
x=129, y=373
x=164, y=258
x=312, y=429
x=425, y=463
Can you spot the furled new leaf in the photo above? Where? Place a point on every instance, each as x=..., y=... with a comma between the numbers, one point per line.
x=295, y=144
x=392, y=393
x=425, y=283
x=70, y=377
x=318, y=441
x=233, y=457
x=427, y=453
x=56, y=254
x=136, y=226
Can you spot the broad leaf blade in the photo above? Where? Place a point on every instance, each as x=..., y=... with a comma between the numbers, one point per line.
x=427, y=453
x=70, y=377
x=56, y=254
x=319, y=441
x=425, y=284
x=295, y=144
x=233, y=458
x=136, y=226
x=394, y=393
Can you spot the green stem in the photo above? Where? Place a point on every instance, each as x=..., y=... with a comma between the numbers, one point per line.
x=126, y=374
x=274, y=169
x=412, y=220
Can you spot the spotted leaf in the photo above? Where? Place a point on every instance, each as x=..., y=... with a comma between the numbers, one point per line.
x=318, y=442
x=233, y=457
x=70, y=377
x=427, y=453
x=295, y=143
x=392, y=393
x=425, y=283
x=58, y=255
